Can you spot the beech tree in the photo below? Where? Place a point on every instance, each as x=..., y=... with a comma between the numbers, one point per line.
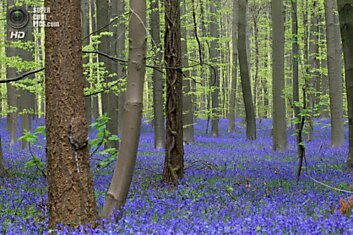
x=70, y=185
x=174, y=157
x=345, y=9
x=158, y=110
x=233, y=91
x=132, y=113
x=279, y=106
x=245, y=72
x=334, y=62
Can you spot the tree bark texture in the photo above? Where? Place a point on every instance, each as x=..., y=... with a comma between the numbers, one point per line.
x=245, y=72
x=278, y=83
x=214, y=72
x=70, y=185
x=334, y=62
x=158, y=104
x=174, y=158
x=233, y=91
x=123, y=172
x=345, y=9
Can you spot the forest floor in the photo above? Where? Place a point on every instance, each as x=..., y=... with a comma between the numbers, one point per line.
x=231, y=186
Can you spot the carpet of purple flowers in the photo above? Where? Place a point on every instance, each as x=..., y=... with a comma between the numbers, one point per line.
x=231, y=186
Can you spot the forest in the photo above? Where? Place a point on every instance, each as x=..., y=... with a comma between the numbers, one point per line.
x=176, y=117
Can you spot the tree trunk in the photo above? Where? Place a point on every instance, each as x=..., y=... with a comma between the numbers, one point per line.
x=120, y=184
x=174, y=158
x=334, y=62
x=3, y=170
x=70, y=185
x=345, y=9
x=188, y=109
x=314, y=70
x=11, y=119
x=245, y=72
x=158, y=121
x=279, y=106
x=295, y=64
x=214, y=72
x=93, y=11
x=233, y=91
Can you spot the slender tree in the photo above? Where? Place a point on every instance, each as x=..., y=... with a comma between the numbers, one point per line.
x=85, y=31
x=214, y=58
x=3, y=170
x=334, y=62
x=11, y=119
x=188, y=109
x=245, y=72
x=70, y=185
x=120, y=184
x=279, y=107
x=233, y=92
x=174, y=158
x=295, y=64
x=158, y=114
x=345, y=9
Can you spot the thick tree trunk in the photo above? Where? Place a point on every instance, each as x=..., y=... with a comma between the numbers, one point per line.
x=245, y=72
x=70, y=185
x=174, y=158
x=188, y=108
x=279, y=106
x=158, y=121
x=233, y=91
x=345, y=9
x=119, y=187
x=334, y=62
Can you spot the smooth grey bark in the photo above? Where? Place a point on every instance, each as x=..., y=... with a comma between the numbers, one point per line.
x=132, y=113
x=158, y=104
x=188, y=109
x=233, y=91
x=85, y=31
x=334, y=62
x=295, y=64
x=174, y=157
x=279, y=126
x=245, y=72
x=345, y=9
x=313, y=70
x=214, y=72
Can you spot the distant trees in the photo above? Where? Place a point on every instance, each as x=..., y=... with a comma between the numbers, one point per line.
x=70, y=185
x=345, y=9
